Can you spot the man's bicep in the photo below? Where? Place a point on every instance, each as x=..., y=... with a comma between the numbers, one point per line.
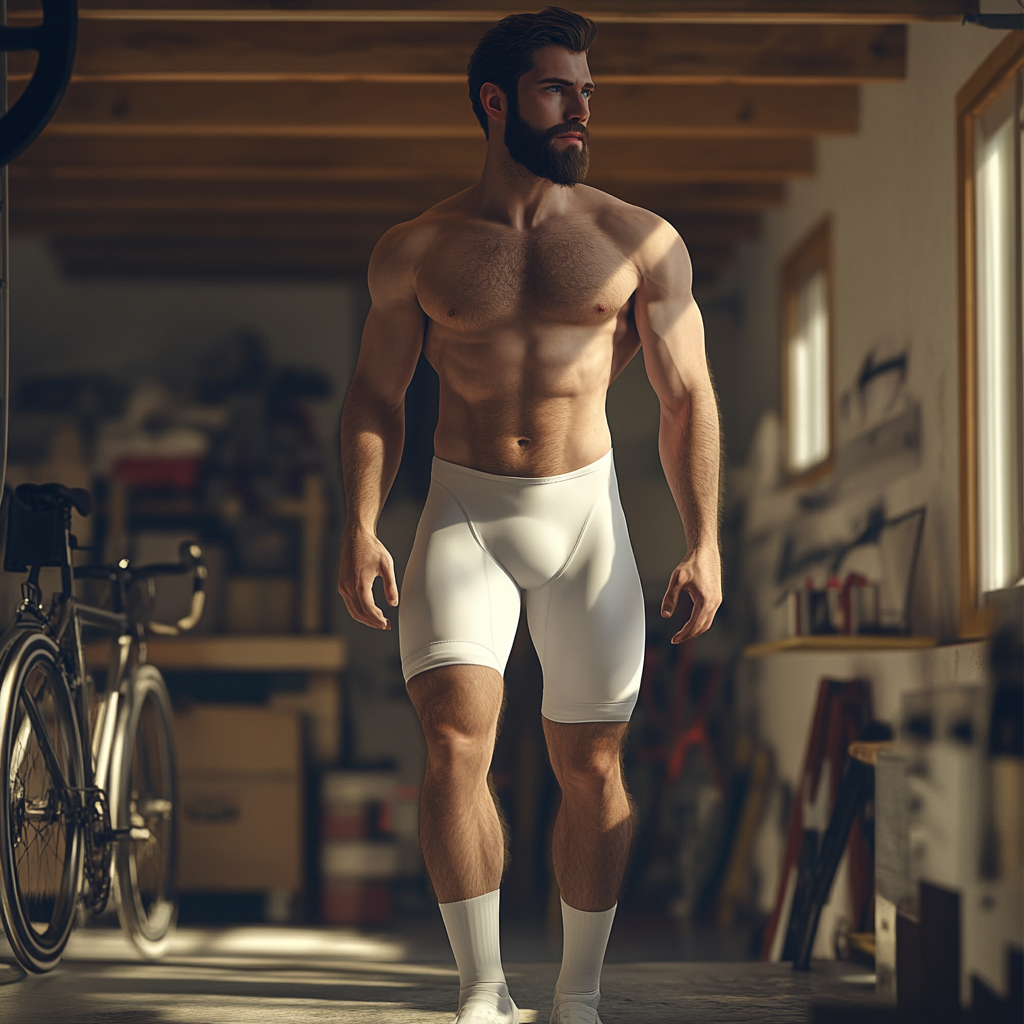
x=670, y=327
x=393, y=332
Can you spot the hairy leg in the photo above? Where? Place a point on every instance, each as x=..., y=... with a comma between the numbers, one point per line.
x=461, y=832
x=594, y=827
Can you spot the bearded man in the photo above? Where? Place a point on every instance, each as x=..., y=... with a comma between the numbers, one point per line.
x=528, y=293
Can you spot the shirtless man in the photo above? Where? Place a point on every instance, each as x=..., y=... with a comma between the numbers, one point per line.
x=528, y=294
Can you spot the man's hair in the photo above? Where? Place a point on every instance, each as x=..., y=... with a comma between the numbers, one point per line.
x=505, y=53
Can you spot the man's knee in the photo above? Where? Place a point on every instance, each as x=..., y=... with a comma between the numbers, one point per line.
x=452, y=747
x=586, y=758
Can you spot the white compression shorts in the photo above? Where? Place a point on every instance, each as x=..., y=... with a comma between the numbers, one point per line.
x=483, y=538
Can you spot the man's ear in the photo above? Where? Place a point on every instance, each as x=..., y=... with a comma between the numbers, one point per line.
x=494, y=102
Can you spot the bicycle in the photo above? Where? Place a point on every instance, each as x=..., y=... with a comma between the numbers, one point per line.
x=89, y=790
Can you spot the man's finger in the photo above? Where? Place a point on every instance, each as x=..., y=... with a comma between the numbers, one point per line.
x=387, y=575
x=369, y=606
x=671, y=598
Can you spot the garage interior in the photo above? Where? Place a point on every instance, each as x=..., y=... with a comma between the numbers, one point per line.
x=189, y=239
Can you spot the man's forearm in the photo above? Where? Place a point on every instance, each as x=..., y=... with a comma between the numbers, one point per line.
x=372, y=438
x=689, y=442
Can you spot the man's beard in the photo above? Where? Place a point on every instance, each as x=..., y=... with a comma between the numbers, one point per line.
x=534, y=150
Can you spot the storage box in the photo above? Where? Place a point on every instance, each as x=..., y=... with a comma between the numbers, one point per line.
x=260, y=604
x=240, y=803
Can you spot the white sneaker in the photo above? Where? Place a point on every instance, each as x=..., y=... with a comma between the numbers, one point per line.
x=574, y=1013
x=488, y=1007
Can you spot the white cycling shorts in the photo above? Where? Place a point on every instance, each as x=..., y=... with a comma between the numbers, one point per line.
x=483, y=539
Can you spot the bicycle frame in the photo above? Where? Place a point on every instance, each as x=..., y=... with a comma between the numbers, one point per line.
x=64, y=623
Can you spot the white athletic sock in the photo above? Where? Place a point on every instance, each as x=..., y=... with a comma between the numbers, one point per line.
x=584, y=941
x=473, y=932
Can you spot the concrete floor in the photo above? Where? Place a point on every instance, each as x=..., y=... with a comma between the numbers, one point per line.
x=304, y=975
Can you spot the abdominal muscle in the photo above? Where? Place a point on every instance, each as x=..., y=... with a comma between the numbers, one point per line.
x=522, y=403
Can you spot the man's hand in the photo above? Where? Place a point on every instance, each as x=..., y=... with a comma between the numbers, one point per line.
x=700, y=575
x=363, y=559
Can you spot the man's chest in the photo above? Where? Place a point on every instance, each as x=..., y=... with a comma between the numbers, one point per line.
x=479, y=277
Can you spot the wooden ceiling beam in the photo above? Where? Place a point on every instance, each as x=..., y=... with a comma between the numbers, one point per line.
x=602, y=11
x=442, y=110
x=142, y=258
x=712, y=53
x=697, y=228
x=638, y=160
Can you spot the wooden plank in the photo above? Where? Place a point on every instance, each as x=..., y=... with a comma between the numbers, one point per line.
x=694, y=226
x=240, y=653
x=442, y=109
x=786, y=53
x=602, y=11
x=819, y=644
x=637, y=160
x=399, y=201
x=220, y=259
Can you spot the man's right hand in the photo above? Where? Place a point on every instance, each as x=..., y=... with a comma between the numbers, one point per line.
x=363, y=559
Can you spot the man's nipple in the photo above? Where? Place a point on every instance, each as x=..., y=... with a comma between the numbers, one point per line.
x=451, y=312
x=602, y=309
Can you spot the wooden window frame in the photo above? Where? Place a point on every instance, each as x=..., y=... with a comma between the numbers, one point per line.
x=981, y=89
x=811, y=254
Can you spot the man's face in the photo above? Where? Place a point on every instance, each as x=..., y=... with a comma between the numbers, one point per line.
x=546, y=126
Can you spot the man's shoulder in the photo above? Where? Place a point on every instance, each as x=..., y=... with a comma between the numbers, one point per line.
x=407, y=243
x=627, y=224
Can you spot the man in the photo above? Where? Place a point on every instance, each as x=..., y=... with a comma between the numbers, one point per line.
x=528, y=294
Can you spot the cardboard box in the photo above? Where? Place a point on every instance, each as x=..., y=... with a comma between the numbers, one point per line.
x=260, y=604
x=239, y=770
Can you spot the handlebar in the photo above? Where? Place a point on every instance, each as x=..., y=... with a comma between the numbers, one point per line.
x=190, y=559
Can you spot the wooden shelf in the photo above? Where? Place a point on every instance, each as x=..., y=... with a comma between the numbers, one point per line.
x=873, y=642
x=240, y=652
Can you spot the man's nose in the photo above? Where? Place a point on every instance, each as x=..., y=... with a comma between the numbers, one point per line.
x=576, y=108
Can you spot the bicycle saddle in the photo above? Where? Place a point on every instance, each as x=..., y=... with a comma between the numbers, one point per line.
x=41, y=497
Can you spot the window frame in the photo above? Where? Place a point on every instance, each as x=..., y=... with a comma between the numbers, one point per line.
x=996, y=72
x=813, y=253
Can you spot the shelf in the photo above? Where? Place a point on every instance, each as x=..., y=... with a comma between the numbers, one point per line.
x=239, y=652
x=873, y=642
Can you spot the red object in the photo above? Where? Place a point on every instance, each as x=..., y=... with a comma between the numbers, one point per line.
x=682, y=737
x=353, y=902
x=852, y=580
x=841, y=712
x=179, y=474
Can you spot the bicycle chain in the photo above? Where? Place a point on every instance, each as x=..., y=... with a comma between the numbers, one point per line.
x=94, y=819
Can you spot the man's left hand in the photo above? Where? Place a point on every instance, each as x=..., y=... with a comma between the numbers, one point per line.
x=700, y=575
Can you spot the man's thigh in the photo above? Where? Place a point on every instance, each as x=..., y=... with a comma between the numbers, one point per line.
x=463, y=698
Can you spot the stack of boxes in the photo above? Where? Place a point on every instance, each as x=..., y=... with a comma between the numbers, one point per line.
x=369, y=844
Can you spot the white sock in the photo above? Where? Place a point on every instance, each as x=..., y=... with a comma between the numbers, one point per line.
x=473, y=932
x=584, y=941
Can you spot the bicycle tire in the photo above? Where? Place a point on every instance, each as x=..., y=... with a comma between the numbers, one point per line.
x=144, y=797
x=41, y=842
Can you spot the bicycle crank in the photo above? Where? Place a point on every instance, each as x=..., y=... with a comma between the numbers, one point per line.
x=95, y=821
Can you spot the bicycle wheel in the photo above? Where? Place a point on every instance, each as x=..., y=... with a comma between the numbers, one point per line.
x=143, y=799
x=41, y=765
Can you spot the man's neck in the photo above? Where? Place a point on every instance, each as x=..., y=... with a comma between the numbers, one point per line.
x=507, y=192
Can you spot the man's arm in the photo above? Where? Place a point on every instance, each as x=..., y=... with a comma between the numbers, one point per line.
x=689, y=440
x=373, y=425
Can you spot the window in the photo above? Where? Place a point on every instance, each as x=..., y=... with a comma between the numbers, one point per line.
x=807, y=356
x=992, y=342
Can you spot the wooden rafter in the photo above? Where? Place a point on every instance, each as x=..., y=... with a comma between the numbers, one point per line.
x=442, y=110
x=637, y=160
x=602, y=11
x=779, y=54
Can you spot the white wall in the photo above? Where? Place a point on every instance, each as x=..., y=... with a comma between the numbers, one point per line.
x=890, y=191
